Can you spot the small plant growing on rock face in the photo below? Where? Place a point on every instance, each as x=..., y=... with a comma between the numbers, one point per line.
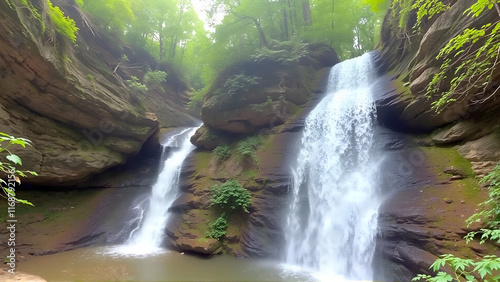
x=260, y=108
x=222, y=152
x=217, y=229
x=136, y=87
x=154, y=79
x=239, y=85
x=285, y=52
x=229, y=198
x=64, y=25
x=247, y=148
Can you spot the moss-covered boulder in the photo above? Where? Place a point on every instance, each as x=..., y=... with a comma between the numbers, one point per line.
x=261, y=93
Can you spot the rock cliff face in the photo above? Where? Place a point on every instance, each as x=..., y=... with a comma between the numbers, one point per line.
x=70, y=100
x=277, y=123
x=426, y=217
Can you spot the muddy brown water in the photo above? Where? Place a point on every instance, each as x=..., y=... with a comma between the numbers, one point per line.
x=104, y=264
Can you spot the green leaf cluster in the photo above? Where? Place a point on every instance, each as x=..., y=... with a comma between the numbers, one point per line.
x=427, y=9
x=463, y=268
x=8, y=166
x=64, y=25
x=285, y=52
x=222, y=152
x=229, y=198
x=218, y=228
x=260, y=108
x=154, y=79
x=490, y=209
x=470, y=59
x=136, y=87
x=247, y=149
x=238, y=85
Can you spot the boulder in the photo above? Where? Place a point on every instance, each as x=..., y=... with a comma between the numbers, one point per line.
x=204, y=246
x=281, y=89
x=483, y=153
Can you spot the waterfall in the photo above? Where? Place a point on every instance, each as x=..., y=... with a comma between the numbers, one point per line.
x=152, y=213
x=333, y=215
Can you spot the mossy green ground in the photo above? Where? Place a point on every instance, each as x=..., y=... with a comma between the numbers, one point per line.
x=448, y=203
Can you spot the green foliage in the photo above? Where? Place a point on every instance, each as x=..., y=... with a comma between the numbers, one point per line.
x=136, y=87
x=8, y=166
x=196, y=98
x=154, y=79
x=64, y=25
x=401, y=10
x=471, y=68
x=463, y=268
x=351, y=27
x=260, y=108
x=218, y=228
x=222, y=152
x=285, y=52
x=238, y=85
x=247, y=148
x=230, y=197
x=427, y=8
x=490, y=213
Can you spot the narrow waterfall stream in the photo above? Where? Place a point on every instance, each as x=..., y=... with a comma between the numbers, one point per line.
x=152, y=217
x=333, y=218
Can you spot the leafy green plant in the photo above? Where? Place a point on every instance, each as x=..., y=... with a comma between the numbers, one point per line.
x=490, y=213
x=238, y=85
x=196, y=98
x=462, y=268
x=229, y=198
x=8, y=165
x=136, y=87
x=284, y=52
x=247, y=149
x=218, y=228
x=222, y=152
x=64, y=25
x=154, y=79
x=260, y=108
x=427, y=9
x=471, y=68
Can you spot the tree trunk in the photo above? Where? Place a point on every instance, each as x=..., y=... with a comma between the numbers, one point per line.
x=173, y=47
x=262, y=35
x=161, y=46
x=306, y=12
x=285, y=22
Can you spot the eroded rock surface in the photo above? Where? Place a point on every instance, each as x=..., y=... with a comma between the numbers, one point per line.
x=69, y=102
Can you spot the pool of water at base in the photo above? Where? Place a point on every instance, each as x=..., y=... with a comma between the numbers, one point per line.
x=107, y=264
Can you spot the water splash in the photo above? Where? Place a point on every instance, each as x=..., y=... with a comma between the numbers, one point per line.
x=333, y=218
x=152, y=213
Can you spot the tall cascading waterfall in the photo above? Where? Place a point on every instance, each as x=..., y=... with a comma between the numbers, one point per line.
x=333, y=218
x=153, y=215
